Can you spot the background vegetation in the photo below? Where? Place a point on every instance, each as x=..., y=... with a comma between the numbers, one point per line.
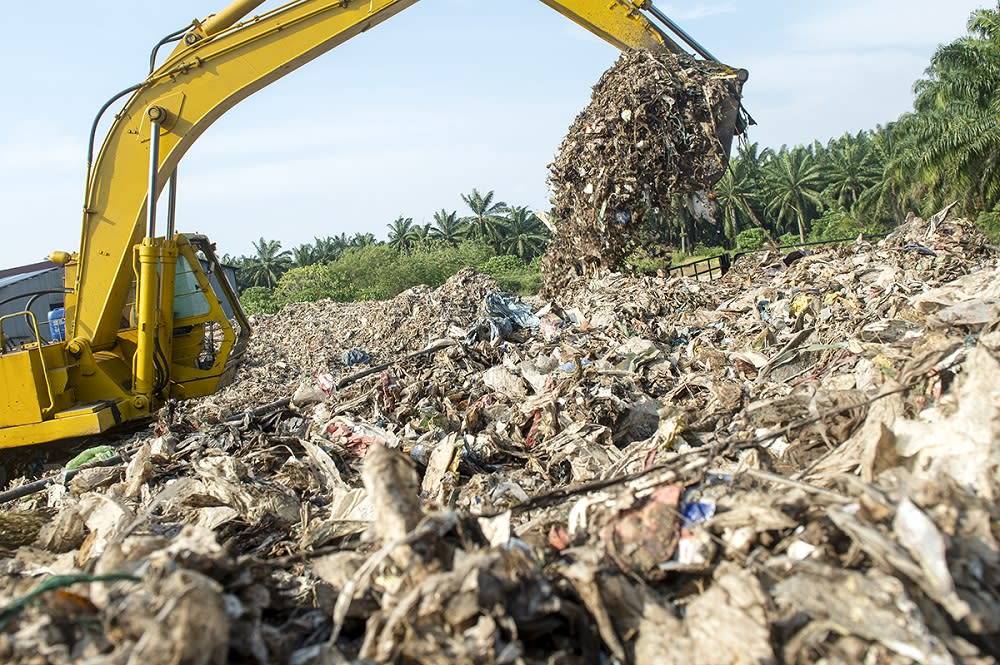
x=945, y=150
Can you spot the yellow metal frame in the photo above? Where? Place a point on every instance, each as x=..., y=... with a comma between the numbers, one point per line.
x=56, y=391
x=33, y=365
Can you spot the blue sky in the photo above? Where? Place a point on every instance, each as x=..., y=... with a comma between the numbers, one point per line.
x=447, y=96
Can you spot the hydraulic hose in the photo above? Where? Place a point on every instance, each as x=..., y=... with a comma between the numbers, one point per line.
x=677, y=30
x=34, y=294
x=172, y=37
x=97, y=119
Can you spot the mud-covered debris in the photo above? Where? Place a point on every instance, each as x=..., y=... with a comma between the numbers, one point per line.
x=21, y=527
x=392, y=483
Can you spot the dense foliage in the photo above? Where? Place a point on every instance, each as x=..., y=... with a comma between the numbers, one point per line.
x=945, y=150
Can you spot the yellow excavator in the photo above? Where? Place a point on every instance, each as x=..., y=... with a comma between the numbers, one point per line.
x=149, y=316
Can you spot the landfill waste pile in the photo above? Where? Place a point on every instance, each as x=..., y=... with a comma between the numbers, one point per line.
x=797, y=463
x=325, y=338
x=658, y=125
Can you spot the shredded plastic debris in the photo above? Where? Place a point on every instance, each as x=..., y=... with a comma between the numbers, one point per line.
x=796, y=463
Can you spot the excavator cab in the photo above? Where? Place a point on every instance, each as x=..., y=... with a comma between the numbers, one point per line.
x=209, y=330
x=55, y=389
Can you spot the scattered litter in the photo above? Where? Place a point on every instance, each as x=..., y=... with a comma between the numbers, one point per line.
x=96, y=454
x=791, y=464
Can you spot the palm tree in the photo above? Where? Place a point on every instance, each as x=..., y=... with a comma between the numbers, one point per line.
x=342, y=241
x=851, y=165
x=303, y=255
x=793, y=181
x=448, y=227
x=268, y=264
x=402, y=234
x=486, y=217
x=240, y=265
x=328, y=249
x=885, y=201
x=739, y=191
x=421, y=233
x=953, y=135
x=362, y=240
x=524, y=234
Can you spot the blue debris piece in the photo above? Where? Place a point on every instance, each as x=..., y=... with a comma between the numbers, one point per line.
x=696, y=512
x=508, y=307
x=504, y=314
x=355, y=357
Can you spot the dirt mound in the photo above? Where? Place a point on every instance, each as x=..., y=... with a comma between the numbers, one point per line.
x=651, y=132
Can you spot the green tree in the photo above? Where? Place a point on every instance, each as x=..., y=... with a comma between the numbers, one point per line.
x=524, y=234
x=268, y=263
x=314, y=283
x=422, y=233
x=739, y=192
x=240, y=266
x=259, y=300
x=793, y=181
x=329, y=248
x=487, y=216
x=953, y=135
x=402, y=234
x=884, y=200
x=362, y=240
x=303, y=255
x=851, y=167
x=448, y=227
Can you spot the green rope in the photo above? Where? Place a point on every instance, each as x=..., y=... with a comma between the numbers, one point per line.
x=12, y=609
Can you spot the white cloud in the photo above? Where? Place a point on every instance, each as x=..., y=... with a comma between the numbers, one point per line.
x=698, y=11
x=878, y=24
x=802, y=97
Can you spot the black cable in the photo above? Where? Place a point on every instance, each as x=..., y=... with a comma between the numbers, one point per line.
x=172, y=37
x=40, y=485
x=35, y=293
x=97, y=119
x=119, y=95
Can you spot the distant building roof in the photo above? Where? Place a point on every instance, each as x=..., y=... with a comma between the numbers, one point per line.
x=31, y=268
x=19, y=277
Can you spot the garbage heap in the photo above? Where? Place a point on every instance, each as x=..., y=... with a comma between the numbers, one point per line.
x=659, y=125
x=796, y=463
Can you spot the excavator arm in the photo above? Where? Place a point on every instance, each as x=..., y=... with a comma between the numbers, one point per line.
x=129, y=345
x=219, y=63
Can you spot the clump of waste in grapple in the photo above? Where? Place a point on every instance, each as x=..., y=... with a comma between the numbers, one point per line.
x=659, y=124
